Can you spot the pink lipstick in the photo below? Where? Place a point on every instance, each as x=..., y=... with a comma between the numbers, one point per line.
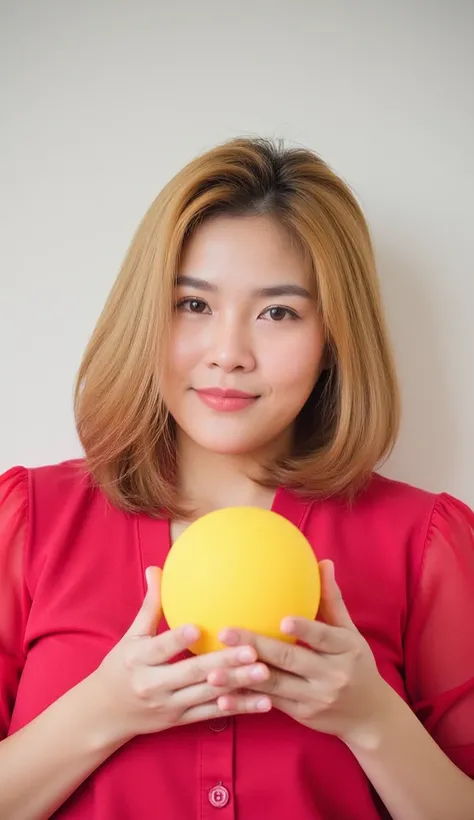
x=226, y=401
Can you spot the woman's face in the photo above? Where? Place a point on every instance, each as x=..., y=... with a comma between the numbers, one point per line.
x=247, y=342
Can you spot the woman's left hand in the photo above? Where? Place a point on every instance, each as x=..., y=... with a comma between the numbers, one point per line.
x=331, y=684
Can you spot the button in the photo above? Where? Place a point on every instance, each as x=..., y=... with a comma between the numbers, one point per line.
x=219, y=724
x=219, y=796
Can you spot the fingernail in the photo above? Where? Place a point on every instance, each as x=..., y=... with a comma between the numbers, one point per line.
x=264, y=705
x=287, y=625
x=246, y=655
x=229, y=636
x=191, y=633
x=258, y=673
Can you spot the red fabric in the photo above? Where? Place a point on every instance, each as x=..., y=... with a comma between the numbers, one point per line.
x=71, y=582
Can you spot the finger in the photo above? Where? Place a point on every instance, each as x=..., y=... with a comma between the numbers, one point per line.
x=318, y=636
x=149, y=614
x=244, y=676
x=281, y=655
x=296, y=709
x=211, y=711
x=333, y=609
x=268, y=681
x=241, y=703
x=163, y=648
x=202, y=693
x=189, y=696
x=197, y=669
x=197, y=714
x=284, y=685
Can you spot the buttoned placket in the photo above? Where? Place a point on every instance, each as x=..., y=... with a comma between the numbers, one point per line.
x=217, y=769
x=216, y=737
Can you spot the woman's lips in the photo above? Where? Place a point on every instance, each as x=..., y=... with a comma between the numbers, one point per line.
x=226, y=401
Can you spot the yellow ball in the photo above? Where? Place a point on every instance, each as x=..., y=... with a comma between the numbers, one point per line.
x=239, y=567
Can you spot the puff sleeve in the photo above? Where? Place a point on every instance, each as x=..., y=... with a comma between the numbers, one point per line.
x=14, y=604
x=439, y=641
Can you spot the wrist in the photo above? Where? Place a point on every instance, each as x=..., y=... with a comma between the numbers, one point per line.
x=369, y=734
x=98, y=717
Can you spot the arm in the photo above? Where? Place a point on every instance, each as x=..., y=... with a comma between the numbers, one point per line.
x=43, y=763
x=408, y=768
x=412, y=775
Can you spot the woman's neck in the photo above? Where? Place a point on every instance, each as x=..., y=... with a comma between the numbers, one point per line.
x=210, y=481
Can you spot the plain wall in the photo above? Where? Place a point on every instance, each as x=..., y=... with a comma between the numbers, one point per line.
x=103, y=100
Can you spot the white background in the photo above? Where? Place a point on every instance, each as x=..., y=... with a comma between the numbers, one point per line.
x=103, y=100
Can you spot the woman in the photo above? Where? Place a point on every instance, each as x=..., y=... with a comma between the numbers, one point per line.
x=241, y=359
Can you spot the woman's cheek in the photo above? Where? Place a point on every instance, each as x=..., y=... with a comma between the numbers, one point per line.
x=184, y=349
x=296, y=363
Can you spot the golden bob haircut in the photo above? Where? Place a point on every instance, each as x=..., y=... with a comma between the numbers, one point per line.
x=350, y=422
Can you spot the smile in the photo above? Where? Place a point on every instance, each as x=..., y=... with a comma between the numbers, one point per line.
x=226, y=401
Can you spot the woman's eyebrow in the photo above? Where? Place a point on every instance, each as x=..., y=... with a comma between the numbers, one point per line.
x=194, y=282
x=283, y=290
x=271, y=291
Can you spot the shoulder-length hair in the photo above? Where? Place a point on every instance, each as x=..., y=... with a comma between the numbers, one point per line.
x=349, y=423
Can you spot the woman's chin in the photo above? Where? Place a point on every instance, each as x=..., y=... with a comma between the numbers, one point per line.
x=228, y=447
x=226, y=443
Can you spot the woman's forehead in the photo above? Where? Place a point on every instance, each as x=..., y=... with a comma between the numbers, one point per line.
x=254, y=250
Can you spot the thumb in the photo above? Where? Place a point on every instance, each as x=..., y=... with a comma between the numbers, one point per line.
x=333, y=608
x=149, y=614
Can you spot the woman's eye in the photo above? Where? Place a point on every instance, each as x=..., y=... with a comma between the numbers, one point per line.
x=192, y=305
x=278, y=313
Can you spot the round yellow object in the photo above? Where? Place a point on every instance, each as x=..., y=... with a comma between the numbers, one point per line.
x=239, y=567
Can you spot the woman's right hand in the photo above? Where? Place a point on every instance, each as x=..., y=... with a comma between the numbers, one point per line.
x=144, y=692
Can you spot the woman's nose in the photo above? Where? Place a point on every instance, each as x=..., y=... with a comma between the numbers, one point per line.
x=231, y=346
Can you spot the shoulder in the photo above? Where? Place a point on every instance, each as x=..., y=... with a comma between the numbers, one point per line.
x=391, y=540
x=386, y=495
x=411, y=508
x=58, y=477
x=44, y=492
x=14, y=488
x=63, y=511
x=380, y=502
x=65, y=476
x=388, y=520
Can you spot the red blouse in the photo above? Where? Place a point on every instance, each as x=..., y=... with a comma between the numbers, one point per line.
x=72, y=580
